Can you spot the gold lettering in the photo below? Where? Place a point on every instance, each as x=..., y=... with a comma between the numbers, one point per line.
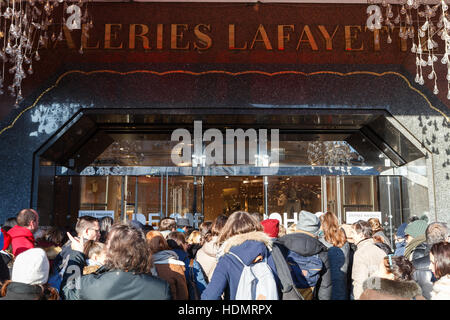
x=203, y=38
x=175, y=36
x=327, y=37
x=264, y=38
x=310, y=40
x=159, y=36
x=282, y=37
x=376, y=37
x=232, y=39
x=84, y=38
x=133, y=36
x=108, y=28
x=349, y=36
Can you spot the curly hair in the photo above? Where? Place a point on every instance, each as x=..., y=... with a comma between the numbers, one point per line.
x=127, y=249
x=400, y=267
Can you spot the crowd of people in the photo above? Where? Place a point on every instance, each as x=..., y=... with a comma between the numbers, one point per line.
x=236, y=257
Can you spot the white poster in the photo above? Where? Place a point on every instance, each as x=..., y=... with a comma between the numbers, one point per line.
x=353, y=216
x=96, y=213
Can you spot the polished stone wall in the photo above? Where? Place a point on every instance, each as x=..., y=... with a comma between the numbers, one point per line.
x=415, y=111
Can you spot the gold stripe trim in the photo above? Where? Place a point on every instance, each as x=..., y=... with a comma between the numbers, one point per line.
x=234, y=74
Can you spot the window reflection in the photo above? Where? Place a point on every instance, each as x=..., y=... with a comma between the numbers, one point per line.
x=225, y=195
x=293, y=194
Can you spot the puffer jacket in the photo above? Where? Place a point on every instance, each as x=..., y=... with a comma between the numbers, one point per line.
x=376, y=288
x=339, y=264
x=227, y=273
x=441, y=289
x=366, y=263
x=207, y=257
x=307, y=245
x=423, y=275
x=110, y=284
x=22, y=239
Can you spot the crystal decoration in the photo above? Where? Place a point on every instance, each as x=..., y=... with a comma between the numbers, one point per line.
x=332, y=153
x=26, y=27
x=431, y=21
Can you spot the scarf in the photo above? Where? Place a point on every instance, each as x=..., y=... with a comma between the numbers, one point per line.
x=413, y=245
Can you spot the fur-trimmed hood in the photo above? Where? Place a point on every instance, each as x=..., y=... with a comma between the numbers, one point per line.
x=247, y=246
x=441, y=289
x=401, y=289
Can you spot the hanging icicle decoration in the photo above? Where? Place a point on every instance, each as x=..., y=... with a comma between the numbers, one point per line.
x=424, y=33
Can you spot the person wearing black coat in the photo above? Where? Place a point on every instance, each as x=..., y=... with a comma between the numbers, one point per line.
x=304, y=242
x=423, y=275
x=124, y=276
x=306, y=245
x=436, y=232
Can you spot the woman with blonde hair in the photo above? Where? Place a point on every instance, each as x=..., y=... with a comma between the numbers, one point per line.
x=338, y=255
x=243, y=242
x=167, y=265
x=194, y=243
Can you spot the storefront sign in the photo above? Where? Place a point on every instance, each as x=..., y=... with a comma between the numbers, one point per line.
x=354, y=216
x=202, y=37
x=96, y=213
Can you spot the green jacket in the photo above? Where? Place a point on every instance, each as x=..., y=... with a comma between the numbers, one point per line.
x=109, y=284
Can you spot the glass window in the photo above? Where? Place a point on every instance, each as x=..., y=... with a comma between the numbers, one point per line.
x=293, y=194
x=225, y=195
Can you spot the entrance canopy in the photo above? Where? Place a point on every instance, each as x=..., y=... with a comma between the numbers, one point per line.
x=143, y=138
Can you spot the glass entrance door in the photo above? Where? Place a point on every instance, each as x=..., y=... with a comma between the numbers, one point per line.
x=148, y=198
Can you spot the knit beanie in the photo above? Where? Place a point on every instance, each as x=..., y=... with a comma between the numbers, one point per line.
x=416, y=228
x=271, y=227
x=308, y=222
x=31, y=267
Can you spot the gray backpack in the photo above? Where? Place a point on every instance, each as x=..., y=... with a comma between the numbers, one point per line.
x=256, y=282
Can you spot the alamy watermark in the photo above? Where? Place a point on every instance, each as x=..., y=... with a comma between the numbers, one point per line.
x=197, y=153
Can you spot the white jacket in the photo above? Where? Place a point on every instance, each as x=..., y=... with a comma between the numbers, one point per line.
x=441, y=289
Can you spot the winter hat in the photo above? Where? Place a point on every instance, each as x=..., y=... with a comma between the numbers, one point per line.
x=308, y=222
x=401, y=230
x=31, y=267
x=138, y=225
x=271, y=227
x=417, y=228
x=5, y=240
